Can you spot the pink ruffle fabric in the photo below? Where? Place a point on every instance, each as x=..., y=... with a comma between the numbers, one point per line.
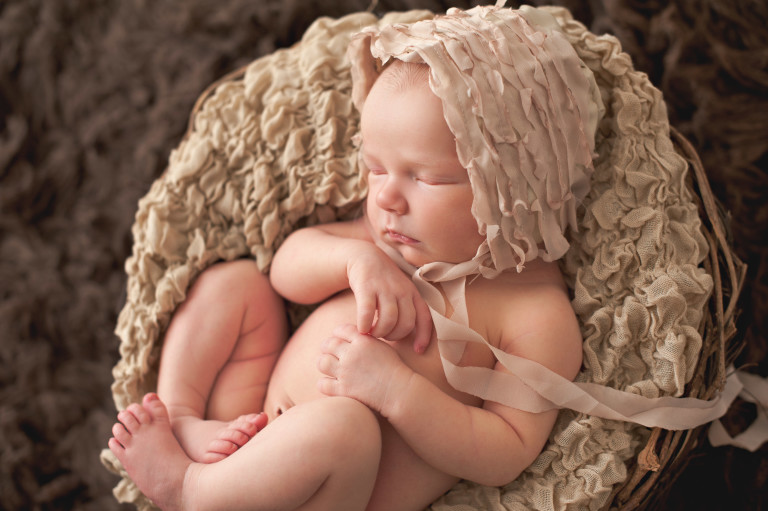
x=524, y=110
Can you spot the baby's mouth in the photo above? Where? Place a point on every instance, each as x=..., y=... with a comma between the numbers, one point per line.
x=400, y=238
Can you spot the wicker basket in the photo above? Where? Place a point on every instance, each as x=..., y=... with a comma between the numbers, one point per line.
x=656, y=466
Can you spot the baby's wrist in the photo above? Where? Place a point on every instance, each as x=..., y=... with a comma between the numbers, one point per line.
x=358, y=253
x=398, y=392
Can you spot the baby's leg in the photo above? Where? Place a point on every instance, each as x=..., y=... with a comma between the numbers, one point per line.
x=320, y=455
x=146, y=446
x=218, y=354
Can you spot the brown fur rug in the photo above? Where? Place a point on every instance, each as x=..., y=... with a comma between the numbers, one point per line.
x=94, y=95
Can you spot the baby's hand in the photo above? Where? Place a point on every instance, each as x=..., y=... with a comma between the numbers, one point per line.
x=362, y=367
x=388, y=304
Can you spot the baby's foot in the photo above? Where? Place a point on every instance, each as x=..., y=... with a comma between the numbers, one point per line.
x=233, y=436
x=145, y=445
x=209, y=441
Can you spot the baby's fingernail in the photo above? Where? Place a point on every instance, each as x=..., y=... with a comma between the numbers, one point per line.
x=151, y=396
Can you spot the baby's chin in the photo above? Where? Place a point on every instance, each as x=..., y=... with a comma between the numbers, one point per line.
x=410, y=254
x=419, y=258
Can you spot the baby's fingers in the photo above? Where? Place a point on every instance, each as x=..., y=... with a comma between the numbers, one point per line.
x=406, y=320
x=366, y=312
x=328, y=386
x=423, y=329
x=334, y=345
x=386, y=320
x=331, y=350
x=328, y=365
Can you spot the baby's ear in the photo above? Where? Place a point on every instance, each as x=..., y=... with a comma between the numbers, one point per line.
x=365, y=68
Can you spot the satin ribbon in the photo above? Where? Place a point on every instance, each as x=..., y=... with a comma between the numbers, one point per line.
x=530, y=386
x=755, y=390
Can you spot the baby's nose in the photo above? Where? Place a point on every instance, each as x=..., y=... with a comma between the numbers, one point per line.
x=390, y=198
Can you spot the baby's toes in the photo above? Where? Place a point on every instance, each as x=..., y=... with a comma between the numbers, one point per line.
x=116, y=447
x=155, y=408
x=218, y=450
x=233, y=436
x=121, y=438
x=128, y=420
x=133, y=417
x=259, y=420
x=249, y=424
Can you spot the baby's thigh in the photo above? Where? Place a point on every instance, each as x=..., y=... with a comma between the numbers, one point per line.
x=231, y=322
x=323, y=453
x=241, y=384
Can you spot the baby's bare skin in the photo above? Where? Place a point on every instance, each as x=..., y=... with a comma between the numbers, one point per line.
x=403, y=480
x=294, y=382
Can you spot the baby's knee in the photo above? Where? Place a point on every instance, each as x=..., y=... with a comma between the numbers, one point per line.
x=236, y=274
x=350, y=429
x=336, y=441
x=241, y=280
x=353, y=445
x=353, y=416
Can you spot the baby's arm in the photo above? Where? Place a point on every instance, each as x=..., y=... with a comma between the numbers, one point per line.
x=490, y=445
x=311, y=264
x=316, y=262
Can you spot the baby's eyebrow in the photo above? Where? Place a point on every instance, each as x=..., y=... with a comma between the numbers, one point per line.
x=364, y=149
x=366, y=156
x=427, y=164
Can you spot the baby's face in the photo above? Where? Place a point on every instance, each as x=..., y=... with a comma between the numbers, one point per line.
x=419, y=195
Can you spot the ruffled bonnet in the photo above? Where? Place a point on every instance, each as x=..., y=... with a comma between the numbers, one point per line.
x=524, y=111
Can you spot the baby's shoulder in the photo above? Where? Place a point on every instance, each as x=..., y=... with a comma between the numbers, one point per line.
x=529, y=315
x=535, y=287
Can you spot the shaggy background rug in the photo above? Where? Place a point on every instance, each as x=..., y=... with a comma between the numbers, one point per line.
x=95, y=94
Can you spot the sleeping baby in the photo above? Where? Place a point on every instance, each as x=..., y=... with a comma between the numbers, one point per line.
x=477, y=137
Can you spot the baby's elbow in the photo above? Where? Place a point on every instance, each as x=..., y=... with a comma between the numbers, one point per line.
x=508, y=471
x=511, y=460
x=502, y=476
x=280, y=278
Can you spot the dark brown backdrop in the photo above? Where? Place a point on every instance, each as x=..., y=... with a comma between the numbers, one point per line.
x=94, y=95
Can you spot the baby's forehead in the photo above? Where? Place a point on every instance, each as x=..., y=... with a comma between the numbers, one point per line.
x=403, y=75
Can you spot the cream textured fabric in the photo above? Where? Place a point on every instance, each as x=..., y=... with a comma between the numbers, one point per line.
x=272, y=151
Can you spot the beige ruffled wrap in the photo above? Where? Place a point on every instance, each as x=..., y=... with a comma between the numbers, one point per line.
x=271, y=150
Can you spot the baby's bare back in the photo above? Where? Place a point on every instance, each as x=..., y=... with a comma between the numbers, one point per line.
x=402, y=475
